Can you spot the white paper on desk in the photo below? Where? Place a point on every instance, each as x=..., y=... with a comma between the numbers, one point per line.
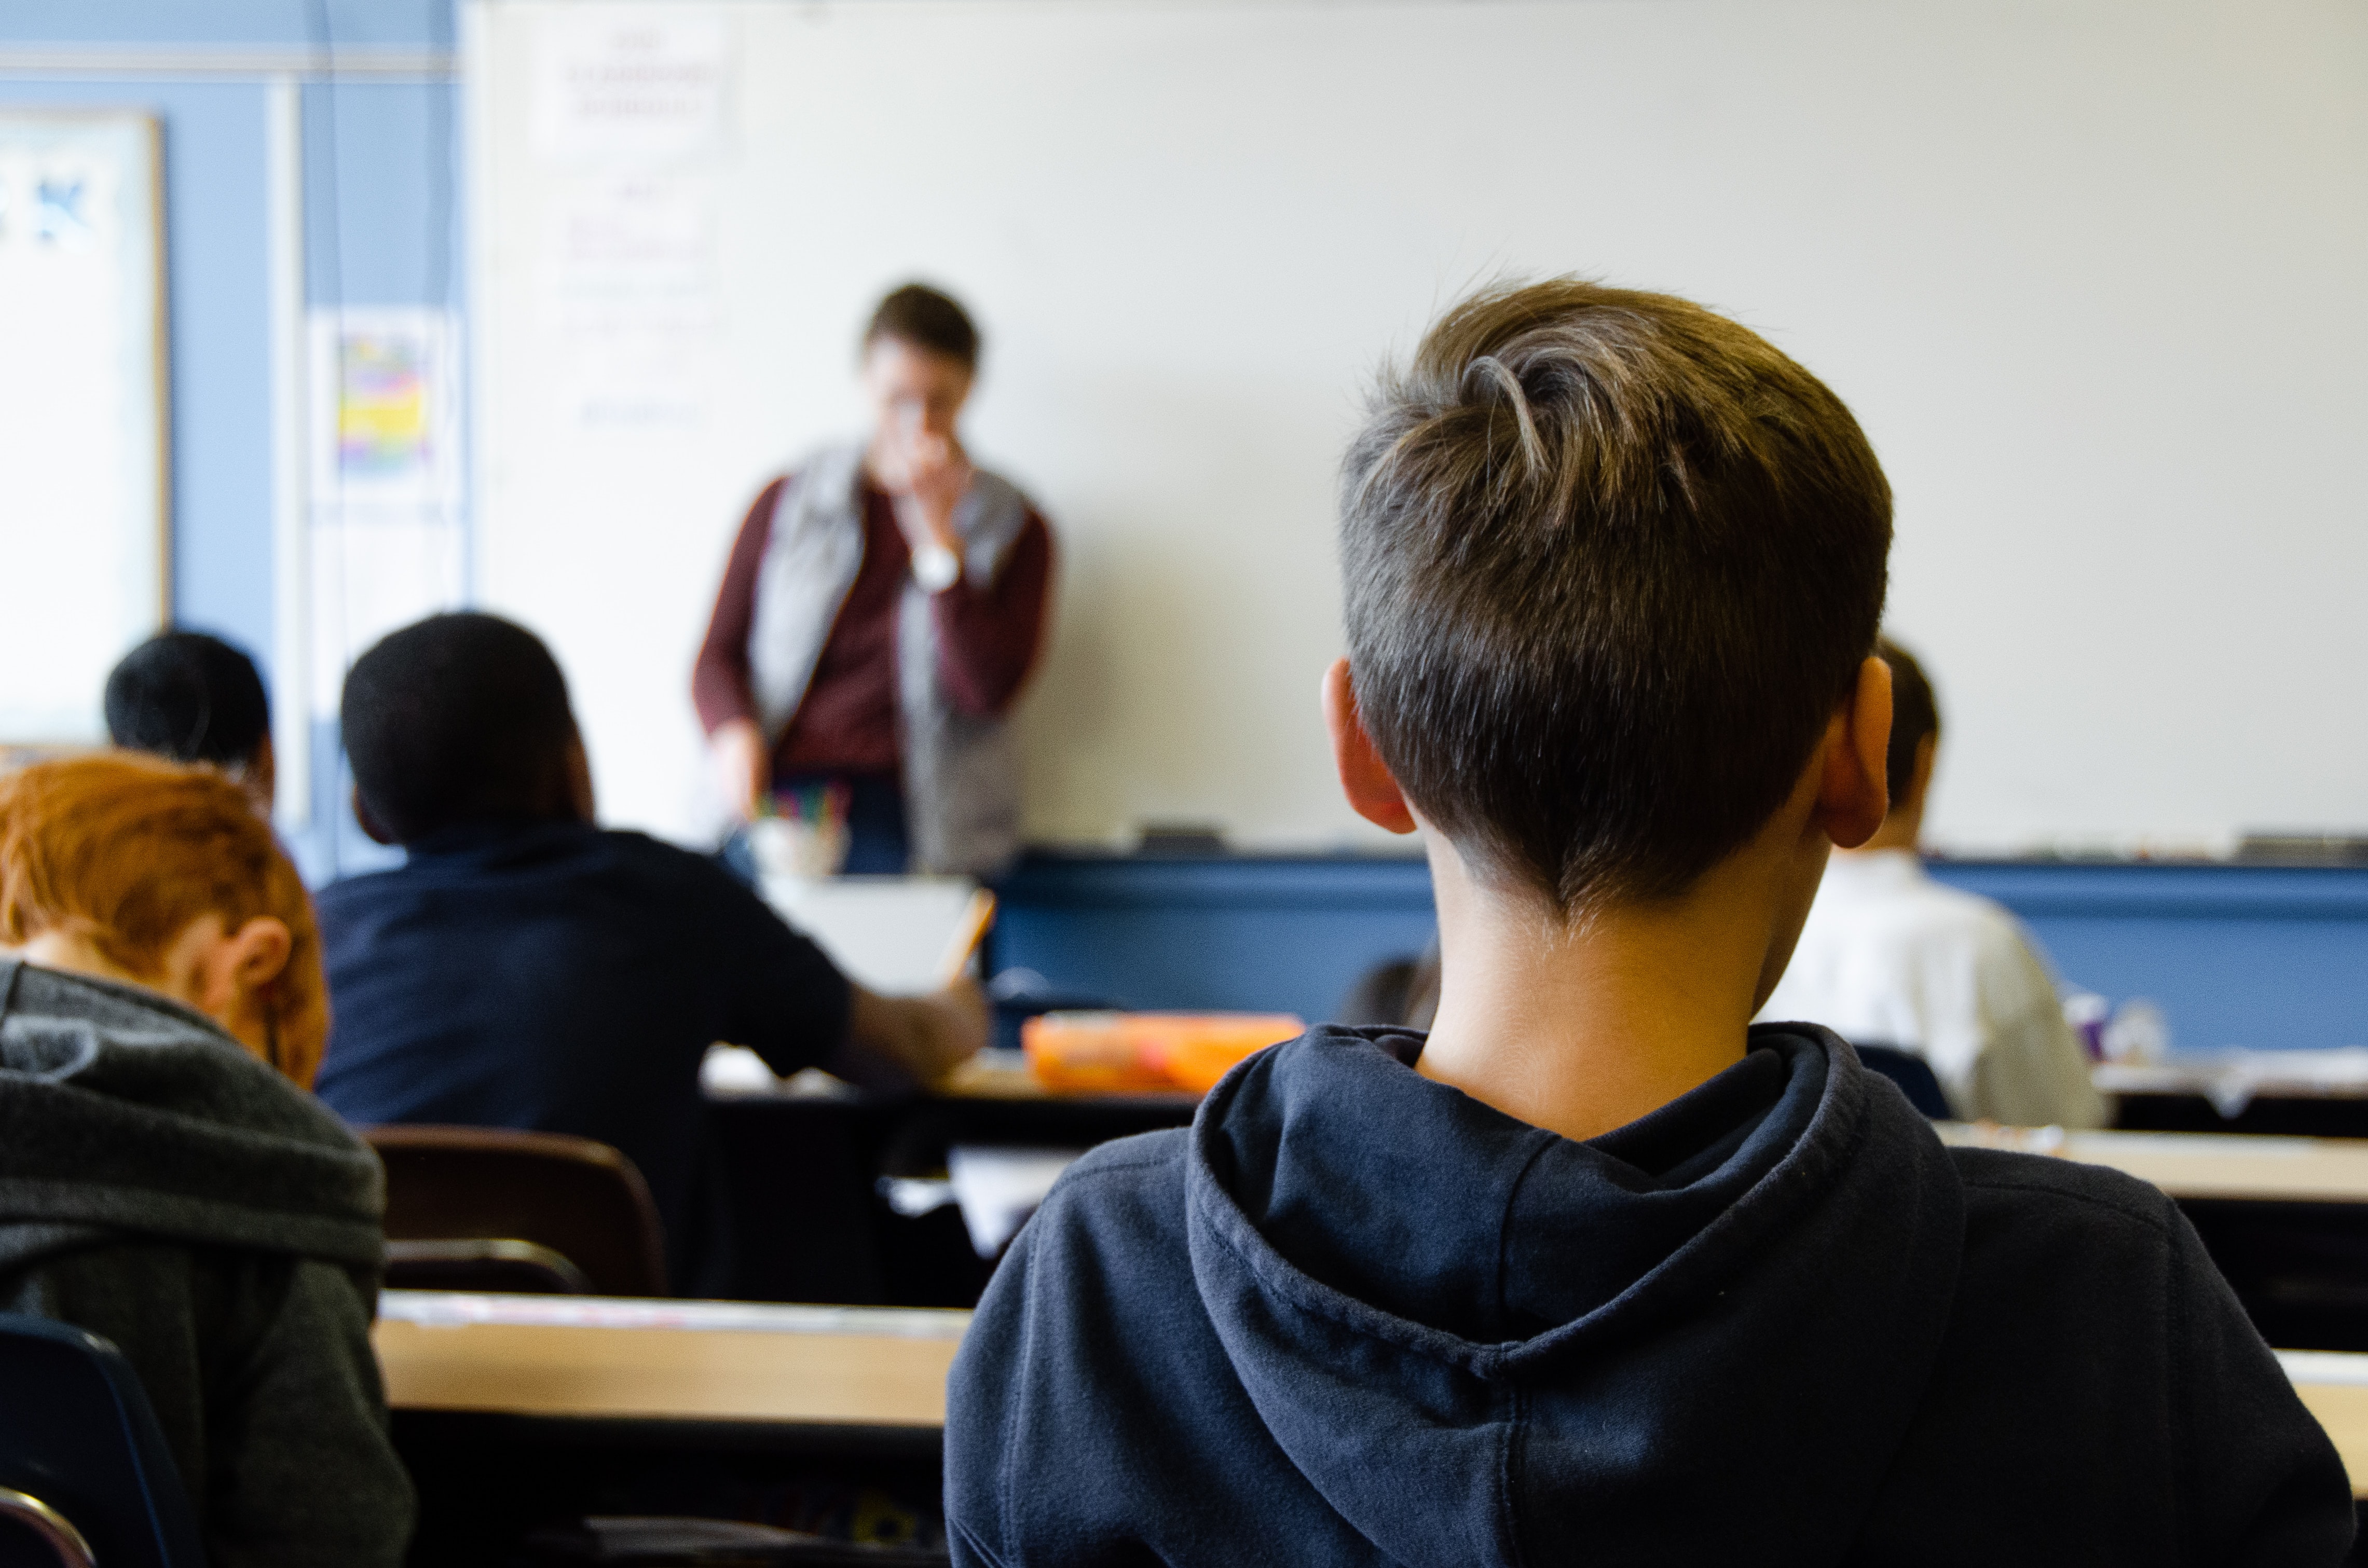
x=998, y=1189
x=888, y=934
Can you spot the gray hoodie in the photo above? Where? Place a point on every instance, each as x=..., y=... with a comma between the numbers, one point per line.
x=163, y=1188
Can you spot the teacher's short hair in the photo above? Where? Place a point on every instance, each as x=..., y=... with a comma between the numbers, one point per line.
x=187, y=696
x=456, y=718
x=927, y=319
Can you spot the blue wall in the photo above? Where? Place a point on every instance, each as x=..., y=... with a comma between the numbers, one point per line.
x=2265, y=957
x=383, y=210
x=2275, y=958
x=1258, y=935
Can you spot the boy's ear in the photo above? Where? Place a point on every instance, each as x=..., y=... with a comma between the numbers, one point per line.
x=237, y=965
x=259, y=950
x=581, y=805
x=376, y=831
x=1852, y=797
x=1364, y=777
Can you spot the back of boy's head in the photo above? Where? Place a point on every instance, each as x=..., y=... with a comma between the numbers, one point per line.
x=1915, y=714
x=457, y=719
x=189, y=698
x=125, y=851
x=1611, y=563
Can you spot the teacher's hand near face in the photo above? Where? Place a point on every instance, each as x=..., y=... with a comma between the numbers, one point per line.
x=916, y=399
x=926, y=474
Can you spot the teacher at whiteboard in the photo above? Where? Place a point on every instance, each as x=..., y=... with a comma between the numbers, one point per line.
x=882, y=608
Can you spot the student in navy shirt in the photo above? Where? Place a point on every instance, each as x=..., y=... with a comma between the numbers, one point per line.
x=526, y=968
x=1597, y=1271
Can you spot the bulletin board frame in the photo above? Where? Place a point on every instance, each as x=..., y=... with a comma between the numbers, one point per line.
x=104, y=219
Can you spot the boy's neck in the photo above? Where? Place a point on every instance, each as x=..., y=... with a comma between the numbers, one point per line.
x=1583, y=1026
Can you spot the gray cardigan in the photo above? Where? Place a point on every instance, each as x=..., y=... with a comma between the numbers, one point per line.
x=961, y=771
x=163, y=1188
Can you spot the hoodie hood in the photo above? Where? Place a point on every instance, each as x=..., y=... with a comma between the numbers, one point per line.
x=1517, y=1347
x=123, y=1112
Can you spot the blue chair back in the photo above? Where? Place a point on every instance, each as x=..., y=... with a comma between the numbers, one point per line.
x=1912, y=1074
x=76, y=1433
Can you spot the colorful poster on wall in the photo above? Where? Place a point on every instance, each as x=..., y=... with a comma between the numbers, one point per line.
x=385, y=545
x=384, y=427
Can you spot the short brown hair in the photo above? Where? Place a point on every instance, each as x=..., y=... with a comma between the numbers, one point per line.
x=125, y=851
x=1915, y=714
x=1611, y=561
x=927, y=319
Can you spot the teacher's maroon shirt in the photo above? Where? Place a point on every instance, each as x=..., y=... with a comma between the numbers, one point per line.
x=988, y=640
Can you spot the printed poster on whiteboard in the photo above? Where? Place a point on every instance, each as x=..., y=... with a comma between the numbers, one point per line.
x=385, y=546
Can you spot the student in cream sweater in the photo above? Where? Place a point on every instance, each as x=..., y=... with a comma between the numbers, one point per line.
x=1891, y=957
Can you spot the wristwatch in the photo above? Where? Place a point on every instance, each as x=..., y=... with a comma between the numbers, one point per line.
x=934, y=567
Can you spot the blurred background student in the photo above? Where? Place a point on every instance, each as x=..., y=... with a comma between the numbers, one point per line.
x=882, y=607
x=165, y=1180
x=525, y=968
x=193, y=698
x=1891, y=958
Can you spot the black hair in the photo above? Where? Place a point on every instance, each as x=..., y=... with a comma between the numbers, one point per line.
x=455, y=719
x=927, y=319
x=1609, y=561
x=1915, y=714
x=189, y=697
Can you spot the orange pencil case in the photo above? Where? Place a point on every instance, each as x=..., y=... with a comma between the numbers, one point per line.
x=1117, y=1052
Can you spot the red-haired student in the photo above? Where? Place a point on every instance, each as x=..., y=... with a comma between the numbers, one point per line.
x=165, y=1182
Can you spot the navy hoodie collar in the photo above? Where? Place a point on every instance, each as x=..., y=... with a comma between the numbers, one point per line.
x=1567, y=1225
x=1410, y=1283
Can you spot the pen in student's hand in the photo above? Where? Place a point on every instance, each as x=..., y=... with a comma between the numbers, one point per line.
x=977, y=915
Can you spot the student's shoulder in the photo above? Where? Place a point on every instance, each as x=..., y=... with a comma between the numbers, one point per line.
x=1105, y=1245
x=672, y=866
x=363, y=890
x=1927, y=902
x=2040, y=1196
x=1124, y=1175
x=1984, y=920
x=1125, y=1197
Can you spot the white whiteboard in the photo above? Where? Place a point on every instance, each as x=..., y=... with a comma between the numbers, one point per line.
x=83, y=542
x=2089, y=271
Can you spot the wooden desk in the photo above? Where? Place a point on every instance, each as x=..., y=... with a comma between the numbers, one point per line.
x=596, y=1359
x=518, y=1414
x=2200, y=1166
x=2335, y=1387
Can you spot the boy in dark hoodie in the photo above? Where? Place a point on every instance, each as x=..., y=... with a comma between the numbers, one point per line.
x=1597, y=1271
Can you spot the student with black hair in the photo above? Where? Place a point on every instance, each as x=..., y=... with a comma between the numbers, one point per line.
x=1597, y=1271
x=1890, y=957
x=882, y=608
x=526, y=968
x=190, y=697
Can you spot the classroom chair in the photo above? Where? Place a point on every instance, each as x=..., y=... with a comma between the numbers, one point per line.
x=483, y=1209
x=85, y=1475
